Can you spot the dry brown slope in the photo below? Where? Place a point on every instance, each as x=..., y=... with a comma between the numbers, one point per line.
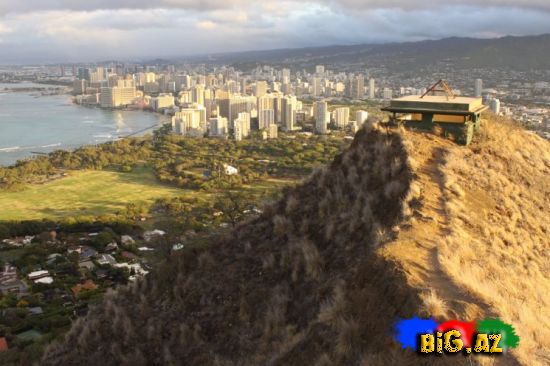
x=416, y=248
x=498, y=202
x=478, y=242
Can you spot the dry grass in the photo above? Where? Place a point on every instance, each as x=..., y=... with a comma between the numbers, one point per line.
x=433, y=305
x=497, y=196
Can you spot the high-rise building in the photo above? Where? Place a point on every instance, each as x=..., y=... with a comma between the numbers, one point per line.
x=112, y=80
x=182, y=82
x=222, y=101
x=286, y=88
x=361, y=117
x=146, y=77
x=197, y=94
x=244, y=85
x=271, y=101
x=241, y=126
x=218, y=126
x=478, y=88
x=261, y=88
x=319, y=69
x=171, y=86
x=201, y=80
x=83, y=73
x=238, y=104
x=316, y=88
x=107, y=97
x=372, y=88
x=209, y=102
x=266, y=118
x=162, y=101
x=358, y=87
x=151, y=87
x=320, y=113
x=288, y=112
x=190, y=121
x=285, y=75
x=185, y=97
x=79, y=86
x=272, y=131
x=387, y=94
x=121, y=95
x=341, y=117
x=98, y=75
x=232, y=86
x=238, y=130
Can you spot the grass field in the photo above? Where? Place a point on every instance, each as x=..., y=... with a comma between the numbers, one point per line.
x=84, y=193
x=95, y=193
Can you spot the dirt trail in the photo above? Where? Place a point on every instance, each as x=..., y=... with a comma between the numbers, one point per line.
x=416, y=248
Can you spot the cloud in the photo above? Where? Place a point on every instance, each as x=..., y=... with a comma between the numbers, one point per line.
x=18, y=6
x=7, y=6
x=206, y=25
x=412, y=5
x=5, y=29
x=63, y=30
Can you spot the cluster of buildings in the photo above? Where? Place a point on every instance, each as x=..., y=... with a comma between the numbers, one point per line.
x=285, y=95
x=88, y=259
x=228, y=103
x=46, y=287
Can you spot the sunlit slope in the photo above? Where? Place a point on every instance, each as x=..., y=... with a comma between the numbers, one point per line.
x=479, y=239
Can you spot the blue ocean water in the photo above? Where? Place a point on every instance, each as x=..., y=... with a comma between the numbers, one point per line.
x=30, y=122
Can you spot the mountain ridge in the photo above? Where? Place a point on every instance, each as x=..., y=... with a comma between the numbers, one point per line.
x=521, y=52
x=401, y=224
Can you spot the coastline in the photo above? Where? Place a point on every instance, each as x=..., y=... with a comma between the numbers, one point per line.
x=33, y=124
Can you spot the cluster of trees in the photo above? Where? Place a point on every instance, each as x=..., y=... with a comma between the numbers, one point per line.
x=195, y=163
x=117, y=224
x=185, y=162
x=16, y=176
x=122, y=153
x=204, y=215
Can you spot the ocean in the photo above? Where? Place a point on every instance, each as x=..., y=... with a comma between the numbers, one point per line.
x=30, y=122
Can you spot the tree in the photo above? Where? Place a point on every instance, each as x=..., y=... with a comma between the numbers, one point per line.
x=22, y=304
x=233, y=205
x=102, y=239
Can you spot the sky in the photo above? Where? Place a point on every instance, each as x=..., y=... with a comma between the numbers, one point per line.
x=34, y=31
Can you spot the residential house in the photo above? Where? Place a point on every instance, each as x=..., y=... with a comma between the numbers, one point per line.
x=42, y=276
x=36, y=310
x=87, y=264
x=84, y=252
x=106, y=259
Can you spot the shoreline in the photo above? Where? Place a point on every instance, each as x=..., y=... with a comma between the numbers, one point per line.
x=98, y=127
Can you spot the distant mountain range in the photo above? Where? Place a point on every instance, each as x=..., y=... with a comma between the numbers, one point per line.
x=521, y=53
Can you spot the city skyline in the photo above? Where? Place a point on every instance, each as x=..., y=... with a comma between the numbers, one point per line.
x=62, y=31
